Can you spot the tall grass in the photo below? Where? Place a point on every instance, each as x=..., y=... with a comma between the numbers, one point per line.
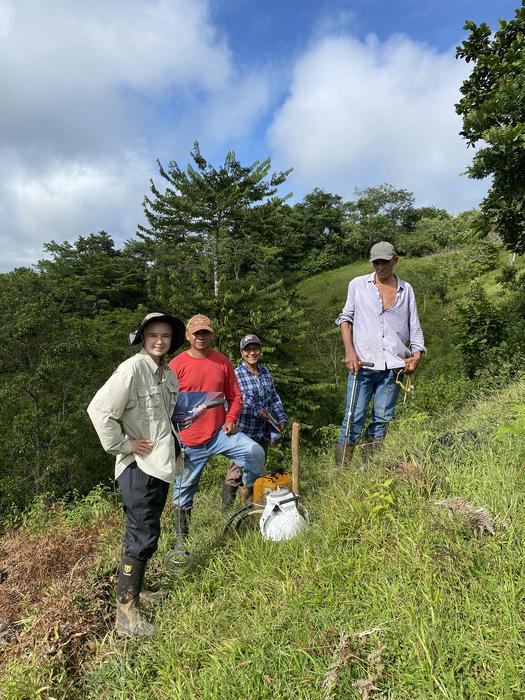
x=442, y=604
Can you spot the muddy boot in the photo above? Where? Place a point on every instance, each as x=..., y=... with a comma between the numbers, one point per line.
x=246, y=495
x=181, y=519
x=339, y=449
x=129, y=621
x=229, y=493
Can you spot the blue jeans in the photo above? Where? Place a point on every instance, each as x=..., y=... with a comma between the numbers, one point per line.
x=379, y=385
x=239, y=447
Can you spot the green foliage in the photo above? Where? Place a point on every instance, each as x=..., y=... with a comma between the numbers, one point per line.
x=432, y=235
x=480, y=332
x=493, y=111
x=377, y=214
x=381, y=501
x=205, y=206
x=52, y=364
x=517, y=426
x=91, y=275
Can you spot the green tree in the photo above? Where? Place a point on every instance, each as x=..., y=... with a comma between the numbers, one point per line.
x=203, y=206
x=493, y=111
x=379, y=213
x=51, y=364
x=91, y=274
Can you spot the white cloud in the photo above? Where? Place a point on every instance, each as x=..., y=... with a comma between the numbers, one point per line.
x=363, y=113
x=80, y=76
x=67, y=199
x=92, y=92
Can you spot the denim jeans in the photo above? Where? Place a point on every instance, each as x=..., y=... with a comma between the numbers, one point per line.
x=239, y=447
x=379, y=385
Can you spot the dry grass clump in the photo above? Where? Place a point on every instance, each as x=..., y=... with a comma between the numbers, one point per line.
x=410, y=470
x=470, y=515
x=348, y=653
x=49, y=603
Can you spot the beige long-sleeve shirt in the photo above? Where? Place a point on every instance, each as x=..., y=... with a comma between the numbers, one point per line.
x=136, y=403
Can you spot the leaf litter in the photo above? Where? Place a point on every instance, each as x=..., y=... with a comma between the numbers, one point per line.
x=51, y=606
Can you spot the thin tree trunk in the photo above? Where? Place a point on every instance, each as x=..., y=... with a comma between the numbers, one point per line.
x=216, y=262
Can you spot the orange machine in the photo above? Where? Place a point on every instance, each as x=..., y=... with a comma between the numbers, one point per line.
x=264, y=484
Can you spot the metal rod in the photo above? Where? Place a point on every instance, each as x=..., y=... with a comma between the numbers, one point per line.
x=350, y=416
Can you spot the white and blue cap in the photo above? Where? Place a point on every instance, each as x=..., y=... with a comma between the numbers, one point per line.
x=248, y=339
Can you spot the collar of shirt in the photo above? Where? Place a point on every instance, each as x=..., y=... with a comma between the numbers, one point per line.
x=158, y=370
x=248, y=370
x=400, y=284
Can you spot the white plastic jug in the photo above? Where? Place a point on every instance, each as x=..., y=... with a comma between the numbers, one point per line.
x=281, y=519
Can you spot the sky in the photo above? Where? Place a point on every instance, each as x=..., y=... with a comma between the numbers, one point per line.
x=348, y=93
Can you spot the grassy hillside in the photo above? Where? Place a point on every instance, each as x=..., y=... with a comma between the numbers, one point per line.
x=386, y=595
x=385, y=590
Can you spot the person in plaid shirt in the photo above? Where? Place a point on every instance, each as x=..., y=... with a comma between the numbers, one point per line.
x=261, y=406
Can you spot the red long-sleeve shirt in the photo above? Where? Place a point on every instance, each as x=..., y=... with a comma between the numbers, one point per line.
x=212, y=373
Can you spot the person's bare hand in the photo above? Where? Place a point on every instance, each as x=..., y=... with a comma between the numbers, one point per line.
x=141, y=447
x=229, y=428
x=412, y=362
x=264, y=415
x=352, y=361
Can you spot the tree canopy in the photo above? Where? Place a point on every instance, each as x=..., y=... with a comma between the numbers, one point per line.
x=493, y=111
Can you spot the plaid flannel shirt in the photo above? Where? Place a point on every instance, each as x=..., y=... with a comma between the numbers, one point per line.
x=258, y=393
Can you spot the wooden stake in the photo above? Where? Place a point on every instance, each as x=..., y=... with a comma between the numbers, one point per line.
x=295, y=457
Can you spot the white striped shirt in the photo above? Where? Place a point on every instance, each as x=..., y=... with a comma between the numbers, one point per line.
x=382, y=336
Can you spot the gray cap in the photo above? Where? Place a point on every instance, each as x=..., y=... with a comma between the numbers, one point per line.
x=250, y=338
x=135, y=337
x=382, y=251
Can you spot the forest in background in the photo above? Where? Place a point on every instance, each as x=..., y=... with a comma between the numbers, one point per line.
x=225, y=241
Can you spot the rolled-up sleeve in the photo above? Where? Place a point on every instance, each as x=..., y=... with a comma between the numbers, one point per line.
x=347, y=314
x=106, y=410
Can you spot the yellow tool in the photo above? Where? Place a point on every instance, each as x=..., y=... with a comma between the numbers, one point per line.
x=406, y=383
x=264, y=484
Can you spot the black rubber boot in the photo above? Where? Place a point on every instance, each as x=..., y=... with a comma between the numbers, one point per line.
x=129, y=621
x=229, y=492
x=338, y=454
x=181, y=519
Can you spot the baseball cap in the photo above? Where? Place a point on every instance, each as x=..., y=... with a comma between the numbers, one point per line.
x=382, y=251
x=199, y=322
x=250, y=338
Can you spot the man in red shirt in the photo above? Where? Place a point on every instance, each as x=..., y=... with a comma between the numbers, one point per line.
x=203, y=369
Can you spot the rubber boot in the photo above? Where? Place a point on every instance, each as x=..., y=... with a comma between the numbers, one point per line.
x=246, y=495
x=229, y=492
x=339, y=449
x=129, y=621
x=181, y=519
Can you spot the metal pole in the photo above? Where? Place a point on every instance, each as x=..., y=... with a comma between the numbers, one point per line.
x=350, y=416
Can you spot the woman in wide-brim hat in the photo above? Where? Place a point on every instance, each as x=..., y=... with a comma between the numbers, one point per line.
x=132, y=416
